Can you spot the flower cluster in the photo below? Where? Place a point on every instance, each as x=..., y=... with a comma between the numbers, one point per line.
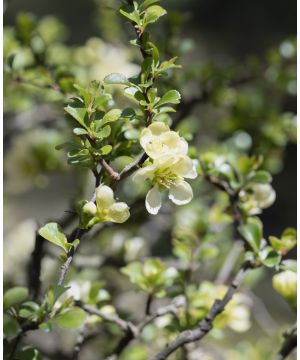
x=169, y=166
x=106, y=208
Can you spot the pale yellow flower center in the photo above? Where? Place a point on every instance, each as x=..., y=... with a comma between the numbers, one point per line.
x=165, y=178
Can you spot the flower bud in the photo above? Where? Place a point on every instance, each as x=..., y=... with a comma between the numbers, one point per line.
x=285, y=283
x=118, y=212
x=90, y=208
x=104, y=196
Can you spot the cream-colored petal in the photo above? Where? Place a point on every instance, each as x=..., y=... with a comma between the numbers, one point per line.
x=192, y=174
x=171, y=139
x=153, y=201
x=158, y=127
x=144, y=173
x=184, y=147
x=90, y=208
x=184, y=166
x=145, y=137
x=118, y=212
x=104, y=196
x=181, y=193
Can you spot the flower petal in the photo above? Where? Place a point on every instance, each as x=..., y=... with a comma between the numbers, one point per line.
x=181, y=193
x=158, y=127
x=185, y=167
x=104, y=196
x=153, y=201
x=144, y=173
x=90, y=208
x=118, y=212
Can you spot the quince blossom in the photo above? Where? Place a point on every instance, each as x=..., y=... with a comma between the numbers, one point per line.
x=157, y=140
x=106, y=208
x=167, y=173
x=257, y=197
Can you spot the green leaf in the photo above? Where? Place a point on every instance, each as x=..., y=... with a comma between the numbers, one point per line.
x=28, y=353
x=111, y=116
x=147, y=3
x=252, y=233
x=116, y=78
x=15, y=296
x=78, y=113
x=105, y=150
x=104, y=132
x=80, y=131
x=53, y=233
x=269, y=257
x=133, y=16
x=170, y=97
x=261, y=177
x=287, y=241
x=71, y=318
x=169, y=64
x=46, y=326
x=54, y=293
x=10, y=326
x=152, y=14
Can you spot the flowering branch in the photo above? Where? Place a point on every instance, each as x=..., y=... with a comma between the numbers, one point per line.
x=206, y=324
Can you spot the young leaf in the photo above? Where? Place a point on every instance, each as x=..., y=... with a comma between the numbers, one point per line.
x=152, y=14
x=261, y=177
x=147, y=3
x=70, y=319
x=10, y=326
x=52, y=232
x=269, y=257
x=170, y=97
x=15, y=296
x=111, y=116
x=77, y=113
x=133, y=16
x=105, y=150
x=80, y=131
x=116, y=78
x=252, y=232
x=104, y=132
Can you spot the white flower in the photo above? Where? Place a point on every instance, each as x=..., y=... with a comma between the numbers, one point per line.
x=285, y=283
x=167, y=173
x=264, y=194
x=157, y=140
x=106, y=207
x=257, y=197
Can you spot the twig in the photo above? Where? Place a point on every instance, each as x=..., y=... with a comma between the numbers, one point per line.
x=288, y=345
x=110, y=171
x=148, y=304
x=206, y=324
x=34, y=265
x=76, y=234
x=79, y=342
x=229, y=263
x=115, y=319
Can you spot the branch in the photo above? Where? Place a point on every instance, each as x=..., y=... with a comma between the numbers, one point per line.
x=76, y=234
x=206, y=324
x=35, y=263
x=229, y=263
x=289, y=343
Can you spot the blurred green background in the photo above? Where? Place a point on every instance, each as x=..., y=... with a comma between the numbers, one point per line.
x=223, y=32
